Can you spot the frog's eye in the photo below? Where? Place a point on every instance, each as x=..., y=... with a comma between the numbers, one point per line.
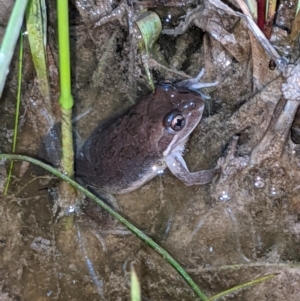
x=174, y=121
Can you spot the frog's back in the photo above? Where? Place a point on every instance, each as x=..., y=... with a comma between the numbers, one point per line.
x=119, y=155
x=126, y=152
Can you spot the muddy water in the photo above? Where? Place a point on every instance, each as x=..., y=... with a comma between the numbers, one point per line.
x=248, y=217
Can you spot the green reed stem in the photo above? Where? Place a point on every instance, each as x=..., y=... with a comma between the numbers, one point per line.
x=66, y=98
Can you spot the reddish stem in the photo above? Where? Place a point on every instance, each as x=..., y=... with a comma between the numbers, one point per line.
x=261, y=11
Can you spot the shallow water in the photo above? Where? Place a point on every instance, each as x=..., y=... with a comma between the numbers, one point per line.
x=248, y=217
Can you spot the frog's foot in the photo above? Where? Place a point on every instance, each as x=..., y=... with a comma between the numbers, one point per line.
x=194, y=84
x=107, y=198
x=231, y=159
x=179, y=169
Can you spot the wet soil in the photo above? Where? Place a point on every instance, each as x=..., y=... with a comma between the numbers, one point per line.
x=243, y=225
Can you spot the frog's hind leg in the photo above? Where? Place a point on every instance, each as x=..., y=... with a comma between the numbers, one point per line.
x=107, y=198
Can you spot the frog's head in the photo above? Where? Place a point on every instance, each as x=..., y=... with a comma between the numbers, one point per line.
x=176, y=113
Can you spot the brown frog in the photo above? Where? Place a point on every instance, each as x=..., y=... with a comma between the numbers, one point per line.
x=124, y=153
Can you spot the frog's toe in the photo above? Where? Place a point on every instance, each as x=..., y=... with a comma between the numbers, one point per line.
x=197, y=86
x=194, y=84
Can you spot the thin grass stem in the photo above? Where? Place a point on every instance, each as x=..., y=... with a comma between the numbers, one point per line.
x=171, y=260
x=17, y=112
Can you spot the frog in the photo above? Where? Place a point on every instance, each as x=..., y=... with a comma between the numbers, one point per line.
x=131, y=148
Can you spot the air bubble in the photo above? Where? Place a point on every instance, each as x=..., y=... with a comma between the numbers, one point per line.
x=244, y=163
x=273, y=191
x=224, y=197
x=70, y=210
x=259, y=183
x=159, y=167
x=168, y=18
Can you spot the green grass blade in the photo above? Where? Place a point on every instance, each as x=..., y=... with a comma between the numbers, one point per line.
x=10, y=39
x=118, y=217
x=135, y=289
x=241, y=286
x=36, y=25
